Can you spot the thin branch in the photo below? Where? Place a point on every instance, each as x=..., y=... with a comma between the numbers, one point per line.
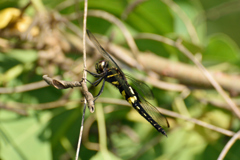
x=65, y=4
x=215, y=102
x=84, y=76
x=130, y=8
x=62, y=102
x=88, y=123
x=38, y=5
x=24, y=8
x=229, y=145
x=80, y=133
x=16, y=110
x=60, y=84
x=196, y=121
x=164, y=85
x=111, y=18
x=215, y=84
x=23, y=88
x=191, y=29
x=188, y=54
x=221, y=10
x=173, y=114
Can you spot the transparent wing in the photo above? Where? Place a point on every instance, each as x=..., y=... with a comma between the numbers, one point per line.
x=154, y=112
x=141, y=87
x=102, y=50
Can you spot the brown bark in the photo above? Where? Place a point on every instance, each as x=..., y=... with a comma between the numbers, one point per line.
x=188, y=74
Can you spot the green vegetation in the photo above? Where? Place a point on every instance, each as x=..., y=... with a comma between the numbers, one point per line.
x=38, y=121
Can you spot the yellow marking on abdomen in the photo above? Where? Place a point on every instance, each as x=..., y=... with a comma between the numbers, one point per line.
x=115, y=83
x=112, y=75
x=130, y=88
x=144, y=115
x=124, y=94
x=131, y=100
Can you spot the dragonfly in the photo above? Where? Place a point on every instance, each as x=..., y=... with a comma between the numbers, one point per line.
x=109, y=71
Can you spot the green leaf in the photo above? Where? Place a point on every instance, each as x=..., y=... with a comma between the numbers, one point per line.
x=11, y=74
x=220, y=49
x=25, y=56
x=106, y=155
x=151, y=16
x=21, y=137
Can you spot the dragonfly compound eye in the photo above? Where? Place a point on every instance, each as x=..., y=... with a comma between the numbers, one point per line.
x=100, y=66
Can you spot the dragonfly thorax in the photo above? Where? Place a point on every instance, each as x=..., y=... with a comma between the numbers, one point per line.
x=101, y=66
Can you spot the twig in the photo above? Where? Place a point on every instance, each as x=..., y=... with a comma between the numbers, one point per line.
x=64, y=4
x=113, y=101
x=188, y=54
x=10, y=108
x=88, y=123
x=191, y=29
x=78, y=12
x=80, y=133
x=229, y=145
x=131, y=7
x=188, y=74
x=109, y=17
x=173, y=114
x=221, y=10
x=60, y=84
x=215, y=84
x=196, y=121
x=24, y=8
x=23, y=88
x=164, y=85
x=38, y=5
x=84, y=75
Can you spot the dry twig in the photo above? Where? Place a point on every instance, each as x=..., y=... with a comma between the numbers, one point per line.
x=60, y=84
x=84, y=76
x=228, y=145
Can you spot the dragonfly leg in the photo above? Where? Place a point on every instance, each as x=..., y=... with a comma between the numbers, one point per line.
x=90, y=82
x=96, y=74
x=97, y=81
x=100, y=92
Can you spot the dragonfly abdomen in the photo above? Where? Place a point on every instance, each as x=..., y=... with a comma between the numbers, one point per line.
x=134, y=101
x=136, y=105
x=132, y=97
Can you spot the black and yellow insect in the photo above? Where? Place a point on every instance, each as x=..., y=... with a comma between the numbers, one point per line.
x=108, y=70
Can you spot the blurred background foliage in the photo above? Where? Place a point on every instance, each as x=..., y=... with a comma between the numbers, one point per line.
x=45, y=37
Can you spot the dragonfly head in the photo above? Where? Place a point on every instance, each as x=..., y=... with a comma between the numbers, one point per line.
x=100, y=66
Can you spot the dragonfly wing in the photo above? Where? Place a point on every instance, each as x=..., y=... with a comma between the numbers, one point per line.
x=101, y=49
x=142, y=88
x=154, y=112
